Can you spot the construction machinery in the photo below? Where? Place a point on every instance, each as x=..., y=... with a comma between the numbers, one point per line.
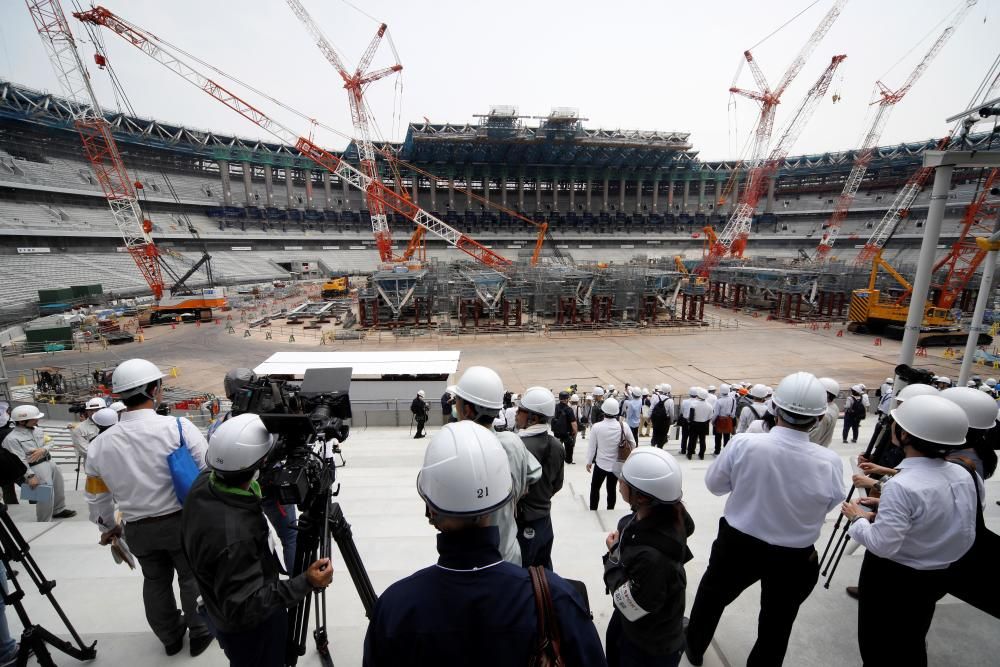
x=336, y=286
x=109, y=169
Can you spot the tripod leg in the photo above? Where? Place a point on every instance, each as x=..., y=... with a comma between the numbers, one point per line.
x=341, y=531
x=840, y=554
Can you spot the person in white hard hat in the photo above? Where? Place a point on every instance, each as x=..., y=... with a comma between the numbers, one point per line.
x=479, y=398
x=507, y=418
x=27, y=442
x=780, y=487
x=471, y=607
x=606, y=439
x=633, y=411
x=942, y=382
x=699, y=418
x=596, y=415
x=127, y=467
x=855, y=410
x=448, y=404
x=724, y=417
x=644, y=566
x=534, y=521
x=418, y=407
x=822, y=432
x=85, y=431
x=105, y=418
x=237, y=567
x=661, y=415
x=647, y=409
x=684, y=417
x=565, y=426
x=713, y=396
x=582, y=413
x=926, y=521
x=754, y=410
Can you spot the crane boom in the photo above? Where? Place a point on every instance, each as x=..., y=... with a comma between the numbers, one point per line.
x=98, y=142
x=866, y=152
x=158, y=51
x=355, y=83
x=733, y=238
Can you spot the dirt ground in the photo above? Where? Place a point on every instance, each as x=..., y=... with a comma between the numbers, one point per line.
x=736, y=347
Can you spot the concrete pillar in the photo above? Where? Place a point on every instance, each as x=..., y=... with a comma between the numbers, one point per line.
x=687, y=193
x=327, y=190
x=769, y=204
x=345, y=191
x=486, y=184
x=555, y=190
x=670, y=193
x=572, y=191
x=538, y=190
x=701, y=194
x=520, y=191
x=248, y=183
x=656, y=192
x=288, y=188
x=451, y=192
x=268, y=185
x=604, y=204
x=308, y=176
x=503, y=188
x=415, y=190
x=621, y=193
x=590, y=180
x=227, y=192
x=434, y=196
x=468, y=190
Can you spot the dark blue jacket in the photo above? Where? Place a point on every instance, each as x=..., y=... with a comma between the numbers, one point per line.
x=474, y=608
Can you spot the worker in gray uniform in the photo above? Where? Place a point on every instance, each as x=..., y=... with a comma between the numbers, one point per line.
x=27, y=442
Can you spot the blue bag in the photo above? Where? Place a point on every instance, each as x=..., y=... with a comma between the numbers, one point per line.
x=183, y=469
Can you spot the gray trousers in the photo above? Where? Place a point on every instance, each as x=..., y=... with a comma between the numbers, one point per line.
x=48, y=474
x=157, y=546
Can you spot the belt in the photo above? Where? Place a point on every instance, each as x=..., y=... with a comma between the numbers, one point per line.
x=153, y=519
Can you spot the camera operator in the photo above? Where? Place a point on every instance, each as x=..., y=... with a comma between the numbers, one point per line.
x=237, y=566
x=419, y=409
x=85, y=431
x=282, y=517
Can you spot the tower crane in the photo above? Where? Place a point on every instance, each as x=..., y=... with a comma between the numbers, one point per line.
x=106, y=162
x=374, y=188
x=733, y=238
x=888, y=99
x=355, y=83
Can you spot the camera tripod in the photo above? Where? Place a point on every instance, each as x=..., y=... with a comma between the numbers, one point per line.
x=876, y=445
x=34, y=639
x=322, y=520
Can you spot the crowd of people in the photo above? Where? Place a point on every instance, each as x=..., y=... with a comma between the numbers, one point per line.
x=487, y=482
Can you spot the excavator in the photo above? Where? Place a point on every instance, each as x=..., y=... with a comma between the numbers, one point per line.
x=336, y=286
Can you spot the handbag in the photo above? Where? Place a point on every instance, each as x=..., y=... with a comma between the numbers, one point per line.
x=624, y=446
x=183, y=469
x=547, y=651
x=971, y=578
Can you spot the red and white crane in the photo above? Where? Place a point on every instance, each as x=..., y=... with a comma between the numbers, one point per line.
x=355, y=83
x=888, y=99
x=374, y=188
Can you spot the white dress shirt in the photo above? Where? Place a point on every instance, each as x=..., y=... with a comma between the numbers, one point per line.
x=780, y=485
x=926, y=517
x=750, y=414
x=506, y=419
x=702, y=410
x=127, y=464
x=686, y=407
x=603, y=443
x=724, y=407
x=711, y=400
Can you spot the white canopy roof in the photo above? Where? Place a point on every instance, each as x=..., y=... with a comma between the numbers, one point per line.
x=363, y=364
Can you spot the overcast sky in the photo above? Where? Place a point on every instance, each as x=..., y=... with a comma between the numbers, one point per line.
x=632, y=65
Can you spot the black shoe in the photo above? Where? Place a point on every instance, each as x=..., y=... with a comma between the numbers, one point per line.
x=65, y=514
x=716, y=452
x=572, y=463
x=852, y=591
x=701, y=457
x=689, y=456
x=175, y=648
x=199, y=644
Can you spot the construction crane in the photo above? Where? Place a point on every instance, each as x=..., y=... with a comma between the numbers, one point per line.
x=374, y=188
x=355, y=84
x=106, y=162
x=888, y=99
x=734, y=236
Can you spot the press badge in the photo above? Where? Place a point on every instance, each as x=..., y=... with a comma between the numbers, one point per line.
x=626, y=604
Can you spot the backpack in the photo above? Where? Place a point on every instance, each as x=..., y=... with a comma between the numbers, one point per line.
x=659, y=410
x=561, y=422
x=857, y=408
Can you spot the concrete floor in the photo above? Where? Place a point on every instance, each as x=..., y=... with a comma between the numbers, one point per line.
x=103, y=600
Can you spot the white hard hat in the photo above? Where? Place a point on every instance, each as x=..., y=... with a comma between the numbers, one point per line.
x=24, y=413
x=711, y=388
x=654, y=473
x=575, y=398
x=636, y=392
x=540, y=401
x=105, y=417
x=800, y=394
x=611, y=387
x=758, y=391
x=481, y=387
x=450, y=389
x=598, y=391
x=465, y=471
x=911, y=390
x=724, y=389
x=240, y=443
x=769, y=390
x=610, y=407
x=992, y=382
x=944, y=379
x=980, y=409
x=832, y=386
x=421, y=393
x=970, y=383
x=933, y=419
x=587, y=397
x=693, y=391
x=95, y=403
x=132, y=376
x=702, y=393
x=667, y=388
x=858, y=389
x=889, y=380
x=117, y=406
x=645, y=391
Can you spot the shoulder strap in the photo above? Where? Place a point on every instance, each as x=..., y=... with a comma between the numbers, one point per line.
x=180, y=430
x=548, y=624
x=970, y=468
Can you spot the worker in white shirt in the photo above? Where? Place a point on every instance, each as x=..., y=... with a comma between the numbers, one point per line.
x=647, y=409
x=723, y=418
x=822, y=432
x=127, y=465
x=28, y=442
x=507, y=418
x=633, y=411
x=683, y=417
x=926, y=521
x=661, y=414
x=781, y=487
x=699, y=417
x=606, y=437
x=712, y=395
x=85, y=431
x=754, y=411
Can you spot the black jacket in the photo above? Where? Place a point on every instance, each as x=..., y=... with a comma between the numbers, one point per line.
x=224, y=536
x=472, y=608
x=645, y=571
x=419, y=408
x=562, y=423
x=549, y=452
